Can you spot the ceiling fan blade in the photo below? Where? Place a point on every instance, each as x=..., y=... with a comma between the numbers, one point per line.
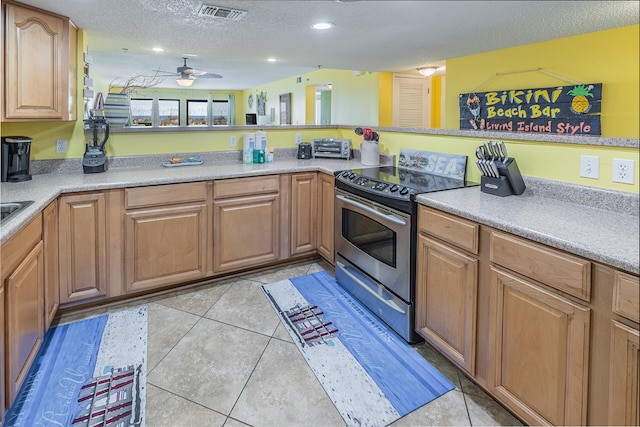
x=206, y=75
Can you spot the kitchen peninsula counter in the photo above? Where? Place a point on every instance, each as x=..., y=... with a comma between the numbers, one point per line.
x=607, y=234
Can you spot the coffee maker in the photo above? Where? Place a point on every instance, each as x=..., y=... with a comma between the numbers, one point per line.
x=15, y=158
x=96, y=132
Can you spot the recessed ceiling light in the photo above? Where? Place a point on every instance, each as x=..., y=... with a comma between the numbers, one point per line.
x=271, y=59
x=157, y=49
x=322, y=26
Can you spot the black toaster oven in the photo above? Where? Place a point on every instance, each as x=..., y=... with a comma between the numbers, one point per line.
x=332, y=148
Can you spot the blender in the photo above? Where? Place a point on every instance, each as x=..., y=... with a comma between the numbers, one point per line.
x=96, y=132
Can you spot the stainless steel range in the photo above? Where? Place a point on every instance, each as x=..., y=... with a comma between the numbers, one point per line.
x=375, y=238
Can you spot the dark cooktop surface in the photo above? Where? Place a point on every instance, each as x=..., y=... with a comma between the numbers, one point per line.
x=415, y=182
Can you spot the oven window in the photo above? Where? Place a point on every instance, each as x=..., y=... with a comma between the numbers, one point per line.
x=369, y=236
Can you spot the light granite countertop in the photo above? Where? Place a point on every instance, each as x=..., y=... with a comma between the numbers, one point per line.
x=601, y=235
x=608, y=235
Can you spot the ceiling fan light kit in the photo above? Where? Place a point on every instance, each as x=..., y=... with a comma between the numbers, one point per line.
x=184, y=81
x=427, y=71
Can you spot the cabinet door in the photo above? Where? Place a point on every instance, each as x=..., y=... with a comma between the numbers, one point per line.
x=51, y=281
x=246, y=231
x=539, y=352
x=36, y=65
x=624, y=376
x=164, y=246
x=325, y=210
x=304, y=212
x=82, y=256
x=3, y=356
x=25, y=318
x=446, y=300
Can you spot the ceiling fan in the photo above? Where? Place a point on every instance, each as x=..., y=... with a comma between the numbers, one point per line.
x=187, y=75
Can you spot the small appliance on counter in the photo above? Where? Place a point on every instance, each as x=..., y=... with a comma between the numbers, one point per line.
x=332, y=148
x=96, y=132
x=370, y=147
x=304, y=151
x=500, y=173
x=16, y=152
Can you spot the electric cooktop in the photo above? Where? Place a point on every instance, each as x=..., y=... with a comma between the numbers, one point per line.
x=395, y=183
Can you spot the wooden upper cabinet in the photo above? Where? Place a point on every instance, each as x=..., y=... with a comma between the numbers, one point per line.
x=36, y=65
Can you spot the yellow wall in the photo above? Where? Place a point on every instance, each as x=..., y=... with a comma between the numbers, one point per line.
x=609, y=57
x=385, y=99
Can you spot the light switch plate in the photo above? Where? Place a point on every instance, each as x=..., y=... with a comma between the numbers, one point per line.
x=233, y=141
x=298, y=138
x=590, y=167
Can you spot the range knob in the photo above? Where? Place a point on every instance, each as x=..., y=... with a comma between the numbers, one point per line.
x=345, y=174
x=404, y=191
x=352, y=175
x=394, y=188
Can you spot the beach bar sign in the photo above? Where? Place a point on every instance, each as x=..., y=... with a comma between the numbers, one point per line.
x=566, y=110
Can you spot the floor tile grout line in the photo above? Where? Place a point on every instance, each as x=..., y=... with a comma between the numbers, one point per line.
x=249, y=379
x=184, y=398
x=173, y=347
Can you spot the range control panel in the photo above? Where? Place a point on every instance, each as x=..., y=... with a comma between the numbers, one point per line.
x=378, y=187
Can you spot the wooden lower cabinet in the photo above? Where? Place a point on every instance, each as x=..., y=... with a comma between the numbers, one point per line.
x=326, y=218
x=246, y=231
x=539, y=351
x=83, y=246
x=3, y=355
x=446, y=300
x=304, y=213
x=25, y=318
x=51, y=280
x=164, y=246
x=624, y=376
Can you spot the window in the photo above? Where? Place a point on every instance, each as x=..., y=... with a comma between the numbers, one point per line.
x=220, y=113
x=141, y=112
x=196, y=112
x=169, y=112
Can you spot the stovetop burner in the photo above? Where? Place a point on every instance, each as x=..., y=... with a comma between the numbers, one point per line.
x=397, y=184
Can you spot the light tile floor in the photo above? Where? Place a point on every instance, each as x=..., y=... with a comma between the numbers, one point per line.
x=218, y=356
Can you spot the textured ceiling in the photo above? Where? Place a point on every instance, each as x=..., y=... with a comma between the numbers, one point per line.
x=368, y=35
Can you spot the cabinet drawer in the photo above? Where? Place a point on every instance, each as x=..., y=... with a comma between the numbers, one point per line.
x=246, y=186
x=165, y=195
x=626, y=296
x=563, y=271
x=452, y=229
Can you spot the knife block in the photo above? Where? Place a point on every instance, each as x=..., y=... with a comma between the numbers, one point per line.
x=509, y=182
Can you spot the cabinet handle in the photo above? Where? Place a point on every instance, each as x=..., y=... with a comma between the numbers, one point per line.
x=388, y=217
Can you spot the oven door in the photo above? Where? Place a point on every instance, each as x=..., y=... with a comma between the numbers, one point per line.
x=376, y=239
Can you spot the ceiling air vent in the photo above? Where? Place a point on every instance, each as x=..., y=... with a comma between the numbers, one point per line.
x=221, y=12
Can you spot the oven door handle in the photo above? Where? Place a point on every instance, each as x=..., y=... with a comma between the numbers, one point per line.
x=388, y=217
x=392, y=305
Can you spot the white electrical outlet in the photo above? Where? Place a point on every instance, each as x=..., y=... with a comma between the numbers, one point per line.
x=61, y=146
x=590, y=166
x=623, y=171
x=298, y=138
x=233, y=141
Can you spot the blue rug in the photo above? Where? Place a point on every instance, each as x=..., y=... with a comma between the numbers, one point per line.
x=73, y=354
x=372, y=376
